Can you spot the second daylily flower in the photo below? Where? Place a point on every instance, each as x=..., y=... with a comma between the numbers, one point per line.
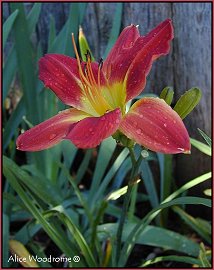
x=98, y=95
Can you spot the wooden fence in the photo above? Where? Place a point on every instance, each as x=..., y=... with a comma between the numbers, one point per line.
x=187, y=65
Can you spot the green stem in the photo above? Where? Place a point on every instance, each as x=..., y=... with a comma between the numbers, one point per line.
x=135, y=166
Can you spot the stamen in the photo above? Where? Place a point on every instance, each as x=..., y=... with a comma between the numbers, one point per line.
x=99, y=69
x=82, y=77
x=91, y=75
x=90, y=87
x=101, y=63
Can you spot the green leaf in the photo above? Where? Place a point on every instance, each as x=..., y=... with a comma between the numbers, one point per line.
x=201, y=146
x=208, y=192
x=25, y=62
x=193, y=223
x=83, y=45
x=115, y=30
x=7, y=26
x=38, y=251
x=140, y=227
x=52, y=32
x=165, y=164
x=33, y=17
x=148, y=181
x=62, y=43
x=206, y=138
x=187, y=102
x=65, y=245
x=172, y=258
x=13, y=123
x=11, y=61
x=152, y=236
x=167, y=95
x=99, y=193
x=83, y=166
x=38, y=186
x=203, y=257
x=114, y=195
x=106, y=151
x=86, y=251
x=152, y=214
x=9, y=70
x=6, y=236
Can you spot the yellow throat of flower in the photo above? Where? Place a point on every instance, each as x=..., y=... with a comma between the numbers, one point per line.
x=91, y=89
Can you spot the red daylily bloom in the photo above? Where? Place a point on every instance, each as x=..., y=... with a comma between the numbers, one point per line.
x=98, y=95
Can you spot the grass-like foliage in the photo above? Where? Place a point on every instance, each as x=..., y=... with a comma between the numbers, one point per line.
x=67, y=202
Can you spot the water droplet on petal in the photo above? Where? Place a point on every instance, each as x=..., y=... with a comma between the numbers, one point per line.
x=165, y=125
x=117, y=121
x=139, y=131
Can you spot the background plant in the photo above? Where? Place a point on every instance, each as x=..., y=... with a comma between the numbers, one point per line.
x=75, y=196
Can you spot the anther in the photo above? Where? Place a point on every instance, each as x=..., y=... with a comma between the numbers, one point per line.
x=100, y=63
x=88, y=55
x=85, y=69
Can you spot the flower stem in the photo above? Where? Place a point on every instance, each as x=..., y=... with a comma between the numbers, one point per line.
x=135, y=166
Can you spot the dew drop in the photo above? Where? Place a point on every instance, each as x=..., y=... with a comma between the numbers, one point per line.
x=141, y=116
x=139, y=131
x=117, y=121
x=165, y=125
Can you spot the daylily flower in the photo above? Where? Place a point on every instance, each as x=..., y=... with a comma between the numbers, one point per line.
x=98, y=94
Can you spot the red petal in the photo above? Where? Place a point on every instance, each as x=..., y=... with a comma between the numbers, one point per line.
x=123, y=44
x=89, y=132
x=155, y=44
x=49, y=132
x=60, y=73
x=153, y=124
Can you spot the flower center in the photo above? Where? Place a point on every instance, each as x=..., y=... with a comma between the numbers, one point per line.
x=91, y=88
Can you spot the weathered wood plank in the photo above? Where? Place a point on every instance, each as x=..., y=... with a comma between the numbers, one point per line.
x=192, y=67
x=187, y=65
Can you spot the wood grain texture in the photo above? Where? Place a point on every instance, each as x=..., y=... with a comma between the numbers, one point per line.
x=188, y=63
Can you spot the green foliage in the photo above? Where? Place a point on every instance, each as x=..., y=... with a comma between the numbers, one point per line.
x=8, y=25
x=69, y=195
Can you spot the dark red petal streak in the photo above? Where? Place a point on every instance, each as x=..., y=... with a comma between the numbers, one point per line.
x=153, y=124
x=49, y=132
x=89, y=132
x=60, y=74
x=155, y=44
x=123, y=45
